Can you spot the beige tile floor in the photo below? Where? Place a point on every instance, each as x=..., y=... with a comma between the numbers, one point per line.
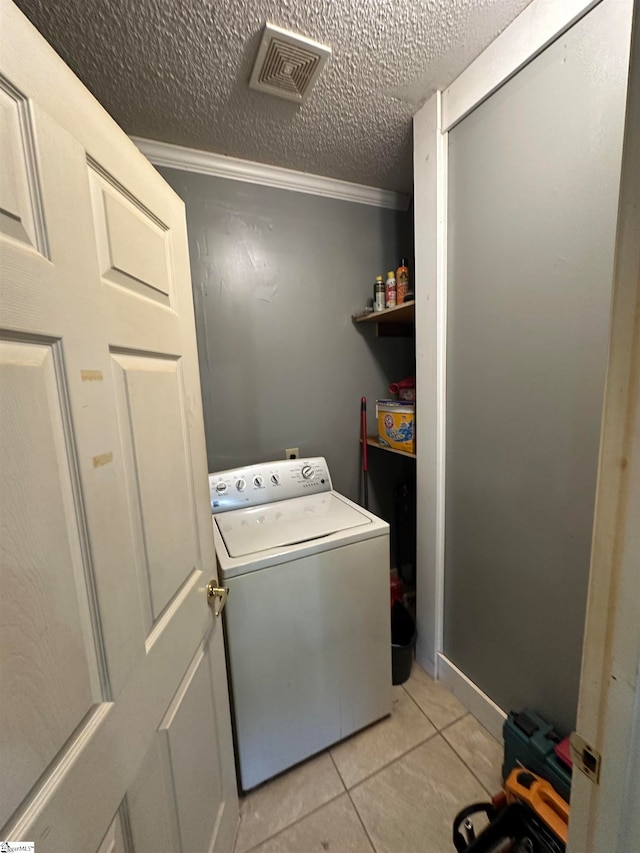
x=392, y=788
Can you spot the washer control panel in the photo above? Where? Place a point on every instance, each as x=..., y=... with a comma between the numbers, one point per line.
x=268, y=482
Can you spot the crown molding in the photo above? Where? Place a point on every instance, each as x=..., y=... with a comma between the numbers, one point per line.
x=206, y=163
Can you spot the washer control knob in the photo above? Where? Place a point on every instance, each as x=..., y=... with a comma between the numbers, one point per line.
x=241, y=485
x=307, y=472
x=258, y=481
x=221, y=488
x=275, y=479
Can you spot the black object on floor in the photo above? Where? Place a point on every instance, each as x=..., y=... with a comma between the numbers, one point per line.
x=515, y=828
x=403, y=640
x=405, y=532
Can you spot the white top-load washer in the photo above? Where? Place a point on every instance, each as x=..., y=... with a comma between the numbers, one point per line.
x=307, y=617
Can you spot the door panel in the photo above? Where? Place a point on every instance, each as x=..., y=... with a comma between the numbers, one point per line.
x=20, y=202
x=114, y=842
x=106, y=524
x=175, y=801
x=132, y=244
x=194, y=755
x=149, y=408
x=50, y=669
x=152, y=814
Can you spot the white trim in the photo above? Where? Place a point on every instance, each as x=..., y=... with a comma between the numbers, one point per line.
x=478, y=703
x=431, y=178
x=233, y=169
x=430, y=251
x=535, y=28
x=442, y=179
x=629, y=829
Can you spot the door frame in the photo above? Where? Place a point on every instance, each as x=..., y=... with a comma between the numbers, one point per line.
x=605, y=816
x=540, y=24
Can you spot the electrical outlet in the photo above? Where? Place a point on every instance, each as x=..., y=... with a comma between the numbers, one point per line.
x=292, y=453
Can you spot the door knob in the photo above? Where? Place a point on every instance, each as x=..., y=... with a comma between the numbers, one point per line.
x=217, y=597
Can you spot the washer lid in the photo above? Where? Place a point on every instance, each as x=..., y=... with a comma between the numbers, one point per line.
x=262, y=528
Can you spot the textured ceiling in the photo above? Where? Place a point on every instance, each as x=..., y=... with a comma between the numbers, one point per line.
x=178, y=71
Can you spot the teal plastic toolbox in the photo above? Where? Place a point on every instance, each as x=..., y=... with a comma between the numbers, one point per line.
x=529, y=741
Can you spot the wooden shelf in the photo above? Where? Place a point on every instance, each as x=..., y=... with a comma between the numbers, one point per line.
x=401, y=314
x=392, y=321
x=372, y=441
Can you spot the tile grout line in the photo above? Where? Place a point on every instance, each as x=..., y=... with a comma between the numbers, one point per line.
x=296, y=821
x=383, y=766
x=457, y=720
x=450, y=725
x=347, y=789
x=468, y=713
x=475, y=775
x=431, y=723
x=302, y=817
x=392, y=761
x=362, y=824
x=333, y=761
x=404, y=755
x=424, y=713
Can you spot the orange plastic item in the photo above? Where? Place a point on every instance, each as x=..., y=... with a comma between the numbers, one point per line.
x=538, y=794
x=402, y=282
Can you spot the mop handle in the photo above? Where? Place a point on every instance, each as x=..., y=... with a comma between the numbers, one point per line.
x=363, y=427
x=365, y=474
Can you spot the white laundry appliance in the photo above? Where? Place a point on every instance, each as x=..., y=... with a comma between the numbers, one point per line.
x=307, y=618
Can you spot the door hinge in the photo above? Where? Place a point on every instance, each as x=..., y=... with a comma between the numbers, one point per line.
x=217, y=597
x=585, y=757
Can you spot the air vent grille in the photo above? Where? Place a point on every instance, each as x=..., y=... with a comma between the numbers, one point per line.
x=287, y=65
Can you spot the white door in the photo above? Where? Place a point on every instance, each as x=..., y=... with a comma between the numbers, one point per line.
x=114, y=720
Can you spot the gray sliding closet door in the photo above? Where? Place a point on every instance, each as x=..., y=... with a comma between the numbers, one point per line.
x=533, y=183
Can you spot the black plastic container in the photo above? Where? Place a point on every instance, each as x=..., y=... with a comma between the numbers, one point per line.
x=516, y=821
x=403, y=640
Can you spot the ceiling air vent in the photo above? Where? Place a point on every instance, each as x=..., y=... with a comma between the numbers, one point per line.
x=287, y=65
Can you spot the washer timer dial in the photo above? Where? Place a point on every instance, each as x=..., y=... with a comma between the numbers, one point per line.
x=307, y=472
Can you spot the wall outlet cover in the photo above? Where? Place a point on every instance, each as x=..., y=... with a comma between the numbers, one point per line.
x=292, y=453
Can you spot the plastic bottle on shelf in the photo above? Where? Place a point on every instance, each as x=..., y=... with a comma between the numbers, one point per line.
x=378, y=289
x=390, y=290
x=402, y=281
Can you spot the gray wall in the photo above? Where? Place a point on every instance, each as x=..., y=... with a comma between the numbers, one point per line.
x=533, y=185
x=276, y=278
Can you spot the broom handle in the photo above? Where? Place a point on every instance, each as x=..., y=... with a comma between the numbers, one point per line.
x=365, y=467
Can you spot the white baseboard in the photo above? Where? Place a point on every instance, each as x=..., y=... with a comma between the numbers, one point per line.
x=478, y=703
x=424, y=659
